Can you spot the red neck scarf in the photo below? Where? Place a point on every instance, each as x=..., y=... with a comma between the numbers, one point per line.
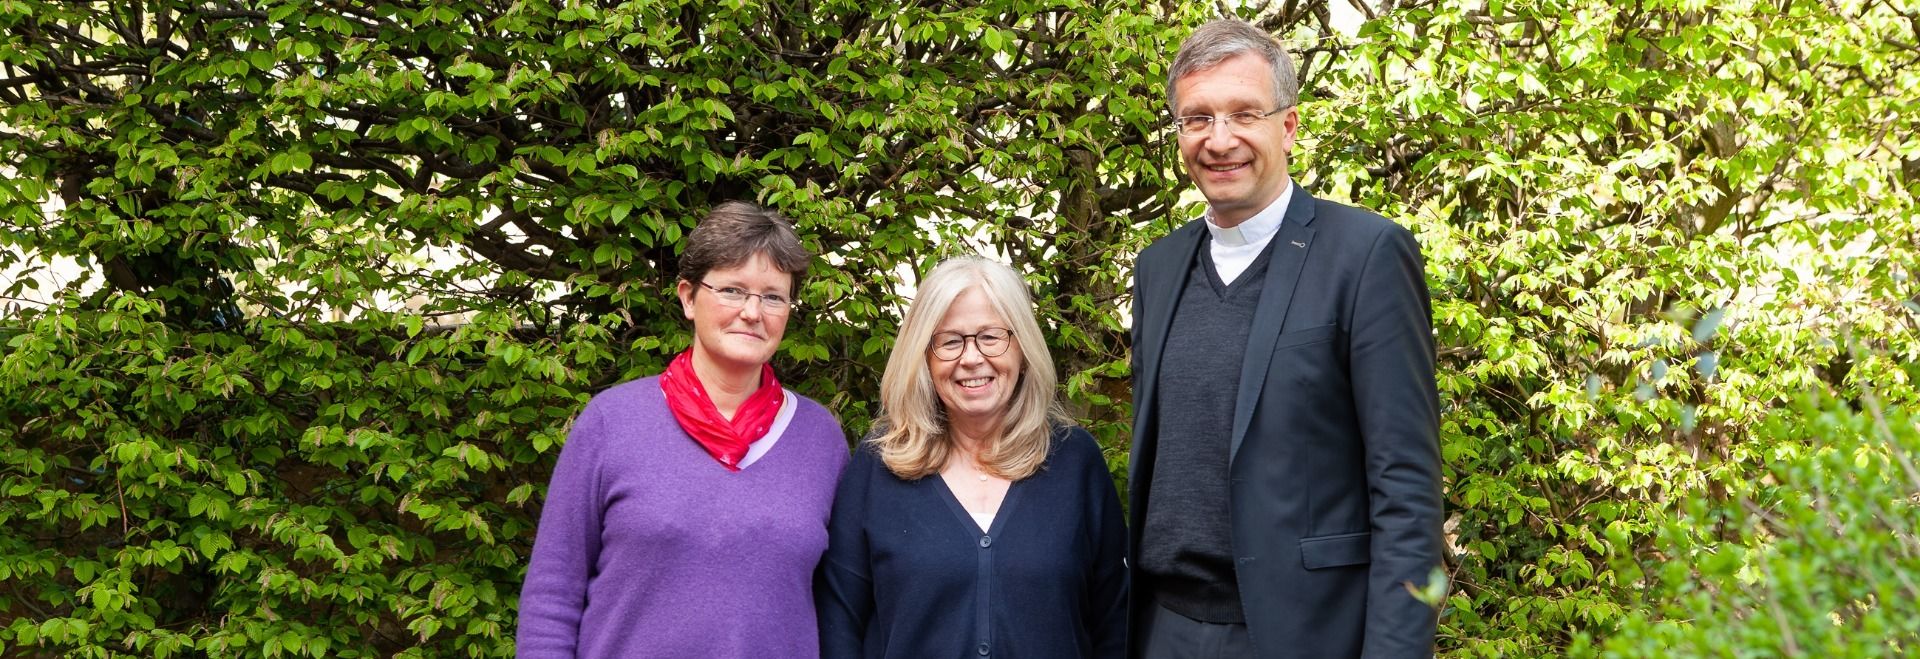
x=725, y=440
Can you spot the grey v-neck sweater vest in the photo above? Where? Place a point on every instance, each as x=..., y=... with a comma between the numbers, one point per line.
x=1187, y=542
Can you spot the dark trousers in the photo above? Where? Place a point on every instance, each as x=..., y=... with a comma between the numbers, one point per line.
x=1170, y=635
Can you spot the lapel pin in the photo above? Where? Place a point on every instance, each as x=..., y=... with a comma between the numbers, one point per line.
x=1297, y=243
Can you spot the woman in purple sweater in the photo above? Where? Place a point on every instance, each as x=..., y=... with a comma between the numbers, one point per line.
x=688, y=510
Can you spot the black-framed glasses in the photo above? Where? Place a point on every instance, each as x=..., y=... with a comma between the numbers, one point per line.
x=991, y=342
x=773, y=303
x=1201, y=124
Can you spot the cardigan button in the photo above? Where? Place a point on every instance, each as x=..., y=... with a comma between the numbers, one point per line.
x=985, y=542
x=983, y=649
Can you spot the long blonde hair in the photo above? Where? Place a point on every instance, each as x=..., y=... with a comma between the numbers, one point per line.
x=916, y=439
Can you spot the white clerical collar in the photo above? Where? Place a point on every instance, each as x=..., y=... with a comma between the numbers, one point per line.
x=1256, y=229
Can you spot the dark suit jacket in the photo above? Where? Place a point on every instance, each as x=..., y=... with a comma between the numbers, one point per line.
x=1335, y=464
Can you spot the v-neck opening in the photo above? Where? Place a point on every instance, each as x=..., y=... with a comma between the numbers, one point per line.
x=777, y=431
x=1221, y=289
x=783, y=422
x=966, y=518
x=1256, y=269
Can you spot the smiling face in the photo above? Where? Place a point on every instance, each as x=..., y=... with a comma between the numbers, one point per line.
x=1240, y=171
x=736, y=338
x=975, y=389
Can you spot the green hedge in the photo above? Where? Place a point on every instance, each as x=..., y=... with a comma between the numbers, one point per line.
x=347, y=274
x=1818, y=559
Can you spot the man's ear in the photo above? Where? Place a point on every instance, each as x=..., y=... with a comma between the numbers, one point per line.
x=1290, y=129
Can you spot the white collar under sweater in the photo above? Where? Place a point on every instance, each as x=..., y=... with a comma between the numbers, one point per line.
x=1235, y=248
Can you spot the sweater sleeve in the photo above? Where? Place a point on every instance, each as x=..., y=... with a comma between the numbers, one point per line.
x=566, y=548
x=1107, y=589
x=843, y=584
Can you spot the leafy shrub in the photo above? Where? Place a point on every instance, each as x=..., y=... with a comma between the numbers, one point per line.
x=347, y=271
x=1820, y=559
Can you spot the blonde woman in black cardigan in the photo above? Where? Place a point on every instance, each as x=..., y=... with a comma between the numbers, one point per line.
x=976, y=521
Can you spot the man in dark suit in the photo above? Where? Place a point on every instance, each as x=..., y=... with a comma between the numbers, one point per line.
x=1286, y=462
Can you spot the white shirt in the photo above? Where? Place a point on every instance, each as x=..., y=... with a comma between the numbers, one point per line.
x=1235, y=248
x=765, y=443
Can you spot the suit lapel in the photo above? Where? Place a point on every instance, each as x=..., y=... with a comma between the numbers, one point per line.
x=1171, y=280
x=1290, y=246
x=1168, y=278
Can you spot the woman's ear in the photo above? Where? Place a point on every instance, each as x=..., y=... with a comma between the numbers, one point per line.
x=685, y=291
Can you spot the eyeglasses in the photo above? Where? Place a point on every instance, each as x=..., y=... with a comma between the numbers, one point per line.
x=991, y=342
x=1237, y=122
x=773, y=303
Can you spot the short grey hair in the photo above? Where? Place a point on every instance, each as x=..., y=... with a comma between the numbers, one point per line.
x=1223, y=38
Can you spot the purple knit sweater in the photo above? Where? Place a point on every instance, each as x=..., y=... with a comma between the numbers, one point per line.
x=647, y=547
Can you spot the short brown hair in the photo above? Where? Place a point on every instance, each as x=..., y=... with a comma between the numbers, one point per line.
x=733, y=232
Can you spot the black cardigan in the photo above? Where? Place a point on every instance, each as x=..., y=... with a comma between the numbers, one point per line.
x=908, y=573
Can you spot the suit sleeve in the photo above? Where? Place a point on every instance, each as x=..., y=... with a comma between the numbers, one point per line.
x=1142, y=280
x=1133, y=330
x=843, y=584
x=1397, y=402
x=566, y=548
x=1106, y=604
